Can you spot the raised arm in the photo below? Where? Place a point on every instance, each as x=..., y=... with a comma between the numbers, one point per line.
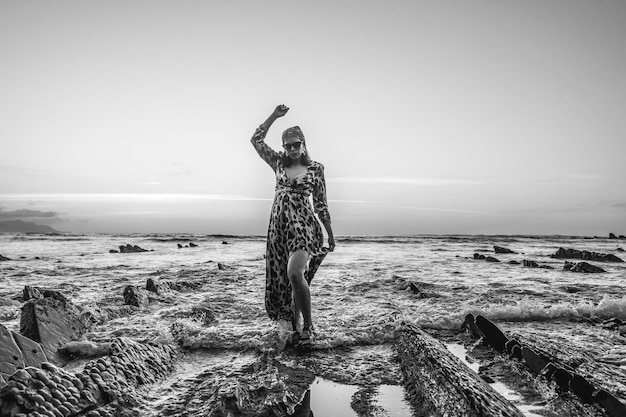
x=258, y=139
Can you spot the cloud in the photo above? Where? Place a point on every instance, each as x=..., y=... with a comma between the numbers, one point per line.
x=404, y=181
x=27, y=214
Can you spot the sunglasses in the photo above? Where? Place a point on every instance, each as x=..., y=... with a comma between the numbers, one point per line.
x=292, y=145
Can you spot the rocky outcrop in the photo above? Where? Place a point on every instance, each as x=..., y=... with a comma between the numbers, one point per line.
x=163, y=287
x=500, y=249
x=135, y=296
x=549, y=367
x=264, y=388
x=31, y=293
x=52, y=321
x=612, y=236
x=52, y=391
x=4, y=258
x=485, y=258
x=131, y=249
x=532, y=264
x=17, y=351
x=191, y=245
x=438, y=383
x=562, y=253
x=583, y=267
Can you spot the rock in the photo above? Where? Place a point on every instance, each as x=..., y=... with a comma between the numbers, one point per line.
x=192, y=245
x=535, y=362
x=131, y=249
x=52, y=391
x=114, y=251
x=530, y=264
x=32, y=352
x=514, y=262
x=533, y=264
x=620, y=249
x=180, y=246
x=4, y=258
x=479, y=256
x=31, y=292
x=470, y=326
x=491, y=259
x=437, y=382
x=622, y=236
x=547, y=371
x=221, y=266
x=500, y=249
x=582, y=267
x=562, y=378
x=611, y=405
x=154, y=285
x=582, y=388
x=224, y=242
x=263, y=388
x=11, y=358
x=52, y=321
x=514, y=349
x=562, y=253
x=612, y=236
x=492, y=335
x=135, y=296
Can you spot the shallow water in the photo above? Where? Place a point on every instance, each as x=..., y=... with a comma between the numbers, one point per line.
x=361, y=294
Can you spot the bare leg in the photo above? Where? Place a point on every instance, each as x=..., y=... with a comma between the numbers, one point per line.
x=300, y=289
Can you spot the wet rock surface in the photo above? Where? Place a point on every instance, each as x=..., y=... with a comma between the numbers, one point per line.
x=559, y=369
x=52, y=321
x=103, y=384
x=265, y=387
x=562, y=253
x=136, y=296
x=532, y=264
x=129, y=249
x=501, y=249
x=582, y=267
x=438, y=383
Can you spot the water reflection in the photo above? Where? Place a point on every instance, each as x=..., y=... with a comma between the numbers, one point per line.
x=327, y=398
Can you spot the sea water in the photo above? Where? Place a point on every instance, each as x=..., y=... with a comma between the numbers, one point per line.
x=360, y=295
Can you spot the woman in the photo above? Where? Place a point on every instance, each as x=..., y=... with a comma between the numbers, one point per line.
x=294, y=236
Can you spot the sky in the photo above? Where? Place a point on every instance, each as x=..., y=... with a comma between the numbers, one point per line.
x=430, y=117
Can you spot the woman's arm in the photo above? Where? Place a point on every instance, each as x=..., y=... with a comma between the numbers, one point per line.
x=320, y=205
x=258, y=139
x=331, y=237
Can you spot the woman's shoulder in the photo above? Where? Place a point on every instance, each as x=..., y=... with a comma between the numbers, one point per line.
x=316, y=165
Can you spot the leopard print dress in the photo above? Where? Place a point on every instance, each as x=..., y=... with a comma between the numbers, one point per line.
x=292, y=227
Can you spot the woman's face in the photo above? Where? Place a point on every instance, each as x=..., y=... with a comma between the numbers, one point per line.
x=294, y=147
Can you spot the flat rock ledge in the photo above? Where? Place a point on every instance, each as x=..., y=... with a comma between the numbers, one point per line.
x=53, y=392
x=439, y=384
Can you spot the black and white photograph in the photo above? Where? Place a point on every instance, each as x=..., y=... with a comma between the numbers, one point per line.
x=349, y=208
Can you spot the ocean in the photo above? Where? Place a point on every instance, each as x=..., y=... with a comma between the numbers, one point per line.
x=363, y=291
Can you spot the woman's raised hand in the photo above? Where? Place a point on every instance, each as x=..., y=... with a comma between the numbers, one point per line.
x=281, y=110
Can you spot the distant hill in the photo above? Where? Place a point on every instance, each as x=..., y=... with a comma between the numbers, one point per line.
x=19, y=226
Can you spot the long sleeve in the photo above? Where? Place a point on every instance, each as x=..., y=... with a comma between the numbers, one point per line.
x=263, y=149
x=320, y=205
